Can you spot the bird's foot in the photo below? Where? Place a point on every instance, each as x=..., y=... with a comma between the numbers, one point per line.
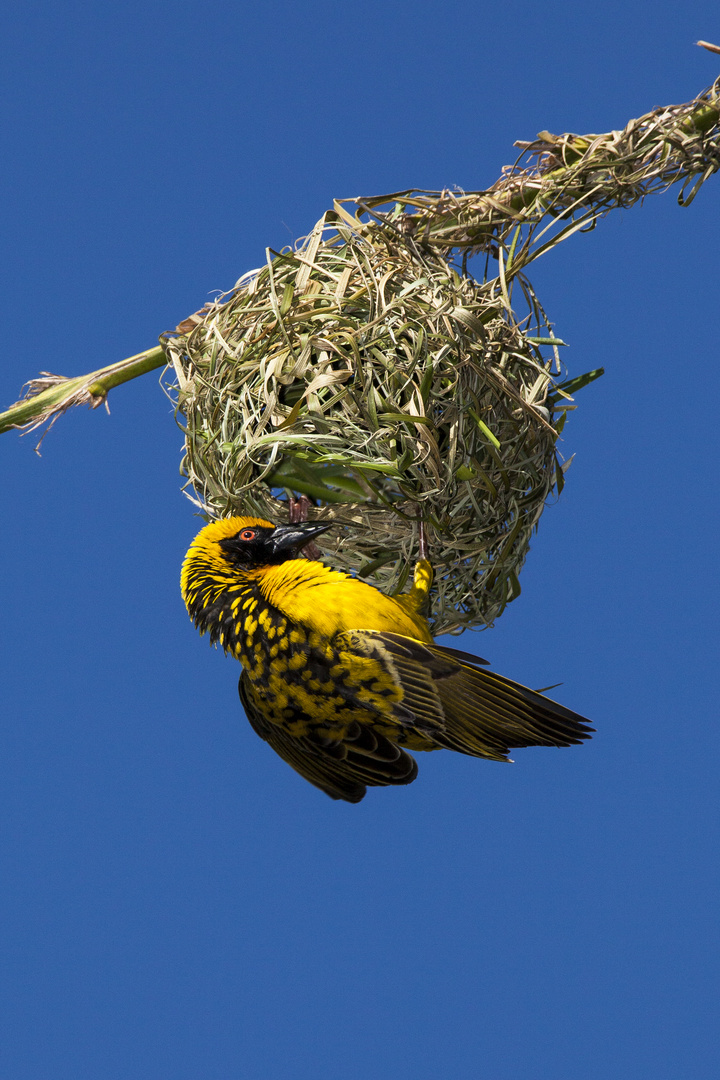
x=297, y=512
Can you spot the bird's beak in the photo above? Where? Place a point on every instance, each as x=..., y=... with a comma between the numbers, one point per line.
x=287, y=539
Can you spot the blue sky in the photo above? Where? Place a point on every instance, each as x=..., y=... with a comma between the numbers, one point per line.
x=176, y=902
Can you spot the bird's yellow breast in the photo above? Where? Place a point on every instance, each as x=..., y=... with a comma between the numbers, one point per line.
x=330, y=602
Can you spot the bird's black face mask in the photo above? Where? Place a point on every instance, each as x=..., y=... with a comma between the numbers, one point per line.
x=259, y=545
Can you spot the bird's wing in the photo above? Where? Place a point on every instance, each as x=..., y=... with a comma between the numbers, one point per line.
x=465, y=708
x=409, y=668
x=342, y=769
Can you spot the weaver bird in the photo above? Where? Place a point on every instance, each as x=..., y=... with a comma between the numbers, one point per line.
x=341, y=679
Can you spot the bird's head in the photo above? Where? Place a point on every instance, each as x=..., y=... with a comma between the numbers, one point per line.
x=236, y=550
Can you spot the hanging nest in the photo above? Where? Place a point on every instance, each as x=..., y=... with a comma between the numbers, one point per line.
x=371, y=376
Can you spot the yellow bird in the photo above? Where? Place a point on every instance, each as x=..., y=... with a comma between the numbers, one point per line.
x=341, y=679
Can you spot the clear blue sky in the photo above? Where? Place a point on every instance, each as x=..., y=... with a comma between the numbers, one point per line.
x=176, y=903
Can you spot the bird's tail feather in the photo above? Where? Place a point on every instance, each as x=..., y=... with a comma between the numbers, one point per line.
x=477, y=712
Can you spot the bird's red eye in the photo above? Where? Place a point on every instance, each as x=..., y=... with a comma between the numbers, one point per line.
x=247, y=534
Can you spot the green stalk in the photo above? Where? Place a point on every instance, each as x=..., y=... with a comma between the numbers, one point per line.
x=89, y=389
x=470, y=219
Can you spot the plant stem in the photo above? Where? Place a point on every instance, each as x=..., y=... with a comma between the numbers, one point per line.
x=91, y=389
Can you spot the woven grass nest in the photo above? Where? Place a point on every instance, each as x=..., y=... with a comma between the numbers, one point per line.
x=384, y=384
